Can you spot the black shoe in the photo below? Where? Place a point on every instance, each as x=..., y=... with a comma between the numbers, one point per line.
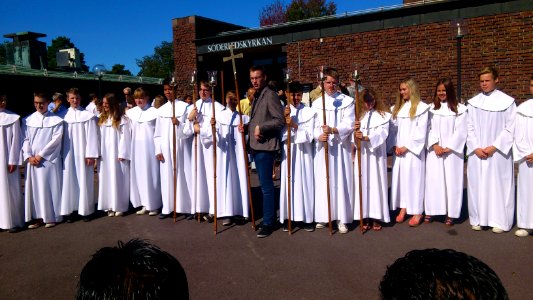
x=14, y=230
x=163, y=216
x=265, y=231
x=227, y=222
x=87, y=218
x=285, y=227
x=70, y=218
x=209, y=218
x=190, y=217
x=309, y=227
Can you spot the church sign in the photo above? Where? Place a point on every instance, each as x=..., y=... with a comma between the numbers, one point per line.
x=250, y=43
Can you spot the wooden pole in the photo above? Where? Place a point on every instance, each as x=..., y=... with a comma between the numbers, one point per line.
x=358, y=145
x=326, y=155
x=195, y=200
x=174, y=154
x=289, y=154
x=212, y=81
x=223, y=95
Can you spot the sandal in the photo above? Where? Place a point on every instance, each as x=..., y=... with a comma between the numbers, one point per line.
x=415, y=220
x=366, y=227
x=449, y=221
x=376, y=226
x=401, y=216
x=428, y=219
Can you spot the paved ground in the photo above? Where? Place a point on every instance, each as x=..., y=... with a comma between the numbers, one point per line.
x=45, y=263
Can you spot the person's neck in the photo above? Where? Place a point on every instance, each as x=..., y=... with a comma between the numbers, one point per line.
x=489, y=93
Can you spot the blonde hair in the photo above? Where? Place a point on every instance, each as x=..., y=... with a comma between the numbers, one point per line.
x=414, y=98
x=115, y=113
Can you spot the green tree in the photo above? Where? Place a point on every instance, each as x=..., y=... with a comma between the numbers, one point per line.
x=119, y=70
x=6, y=49
x=305, y=9
x=63, y=42
x=160, y=64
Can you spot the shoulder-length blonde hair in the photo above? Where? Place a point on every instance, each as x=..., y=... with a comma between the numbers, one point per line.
x=115, y=113
x=414, y=98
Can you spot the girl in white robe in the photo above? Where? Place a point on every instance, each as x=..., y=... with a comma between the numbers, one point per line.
x=409, y=120
x=445, y=158
x=523, y=156
x=302, y=122
x=373, y=132
x=114, y=164
x=11, y=205
x=145, y=188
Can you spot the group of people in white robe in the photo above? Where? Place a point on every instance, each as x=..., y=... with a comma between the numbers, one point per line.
x=165, y=160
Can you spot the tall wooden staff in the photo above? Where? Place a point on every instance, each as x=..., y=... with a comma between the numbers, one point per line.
x=174, y=154
x=326, y=148
x=358, y=145
x=194, y=93
x=223, y=97
x=212, y=75
x=232, y=57
x=289, y=153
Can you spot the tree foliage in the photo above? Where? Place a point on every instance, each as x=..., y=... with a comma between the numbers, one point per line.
x=277, y=12
x=63, y=42
x=160, y=64
x=119, y=69
x=6, y=49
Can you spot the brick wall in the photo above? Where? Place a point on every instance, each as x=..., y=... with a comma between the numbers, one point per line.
x=184, y=32
x=426, y=52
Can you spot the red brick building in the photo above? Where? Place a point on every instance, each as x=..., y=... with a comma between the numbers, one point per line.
x=417, y=39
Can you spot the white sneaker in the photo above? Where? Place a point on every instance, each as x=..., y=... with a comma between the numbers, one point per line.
x=153, y=213
x=522, y=232
x=497, y=230
x=49, y=225
x=110, y=213
x=343, y=228
x=119, y=214
x=476, y=227
x=320, y=225
x=142, y=211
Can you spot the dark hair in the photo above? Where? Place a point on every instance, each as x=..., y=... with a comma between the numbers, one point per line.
x=440, y=274
x=135, y=270
x=295, y=87
x=331, y=72
x=258, y=68
x=74, y=91
x=451, y=99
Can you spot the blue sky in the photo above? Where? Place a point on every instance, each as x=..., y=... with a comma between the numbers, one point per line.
x=118, y=31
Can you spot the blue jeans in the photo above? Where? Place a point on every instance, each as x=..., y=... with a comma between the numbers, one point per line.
x=264, y=163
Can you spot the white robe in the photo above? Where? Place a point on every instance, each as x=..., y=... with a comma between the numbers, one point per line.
x=42, y=190
x=202, y=191
x=91, y=107
x=145, y=189
x=408, y=171
x=11, y=205
x=164, y=145
x=444, y=175
x=523, y=146
x=491, y=180
x=80, y=141
x=340, y=114
x=373, y=168
x=113, y=174
x=232, y=186
x=302, y=181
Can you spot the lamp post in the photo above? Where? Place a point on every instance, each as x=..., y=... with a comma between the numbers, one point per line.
x=459, y=30
x=99, y=70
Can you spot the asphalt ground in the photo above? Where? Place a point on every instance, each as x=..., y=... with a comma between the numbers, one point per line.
x=45, y=263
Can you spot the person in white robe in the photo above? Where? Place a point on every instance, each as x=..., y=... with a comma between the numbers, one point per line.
x=301, y=125
x=337, y=132
x=203, y=182
x=41, y=148
x=11, y=205
x=523, y=156
x=114, y=163
x=164, y=147
x=490, y=170
x=232, y=184
x=79, y=151
x=92, y=107
x=445, y=158
x=409, y=131
x=145, y=188
x=373, y=132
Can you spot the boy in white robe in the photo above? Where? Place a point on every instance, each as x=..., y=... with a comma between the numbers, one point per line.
x=300, y=120
x=232, y=186
x=164, y=147
x=337, y=132
x=409, y=129
x=445, y=158
x=80, y=150
x=11, y=205
x=199, y=117
x=41, y=148
x=490, y=170
x=523, y=156
x=373, y=132
x=145, y=188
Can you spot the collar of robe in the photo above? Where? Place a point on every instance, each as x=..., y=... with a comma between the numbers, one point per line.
x=141, y=116
x=231, y=118
x=45, y=120
x=444, y=110
x=302, y=113
x=8, y=118
x=496, y=101
x=526, y=108
x=109, y=121
x=376, y=119
x=334, y=102
x=77, y=115
x=404, y=111
x=165, y=111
